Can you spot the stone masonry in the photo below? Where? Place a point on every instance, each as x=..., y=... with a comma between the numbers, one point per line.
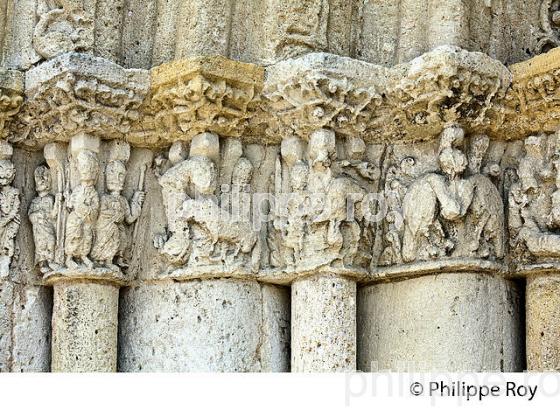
x=279, y=185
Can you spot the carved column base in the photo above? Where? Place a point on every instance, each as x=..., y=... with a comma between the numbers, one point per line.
x=543, y=322
x=456, y=322
x=324, y=324
x=84, y=321
x=210, y=325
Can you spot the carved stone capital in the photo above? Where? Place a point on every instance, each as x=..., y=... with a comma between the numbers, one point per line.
x=412, y=101
x=11, y=90
x=76, y=93
x=445, y=86
x=206, y=94
x=533, y=102
x=322, y=90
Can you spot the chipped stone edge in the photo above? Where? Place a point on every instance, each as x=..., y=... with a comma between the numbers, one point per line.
x=359, y=74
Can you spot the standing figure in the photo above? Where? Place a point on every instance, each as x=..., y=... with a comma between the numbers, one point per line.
x=84, y=208
x=42, y=214
x=111, y=237
x=9, y=209
x=294, y=232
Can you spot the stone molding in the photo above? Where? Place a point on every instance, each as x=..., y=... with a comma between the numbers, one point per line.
x=175, y=101
x=75, y=93
x=206, y=94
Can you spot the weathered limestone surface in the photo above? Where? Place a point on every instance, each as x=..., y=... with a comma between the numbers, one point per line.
x=449, y=322
x=142, y=34
x=209, y=325
x=84, y=327
x=25, y=333
x=543, y=330
x=207, y=155
x=324, y=324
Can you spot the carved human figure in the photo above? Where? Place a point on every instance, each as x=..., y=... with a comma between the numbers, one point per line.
x=241, y=190
x=63, y=26
x=451, y=214
x=9, y=209
x=396, y=183
x=174, y=183
x=111, y=237
x=534, y=201
x=324, y=235
x=42, y=214
x=482, y=233
x=297, y=218
x=83, y=205
x=217, y=237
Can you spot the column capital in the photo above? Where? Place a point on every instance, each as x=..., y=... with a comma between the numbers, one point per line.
x=75, y=93
x=532, y=103
x=196, y=95
x=321, y=90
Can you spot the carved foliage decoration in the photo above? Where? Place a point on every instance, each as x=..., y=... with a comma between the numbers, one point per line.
x=193, y=96
x=533, y=102
x=316, y=100
x=79, y=93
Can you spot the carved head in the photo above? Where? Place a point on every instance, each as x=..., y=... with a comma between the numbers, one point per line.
x=242, y=172
x=407, y=166
x=355, y=148
x=7, y=172
x=452, y=162
x=177, y=152
x=451, y=159
x=42, y=178
x=291, y=150
x=322, y=147
x=115, y=174
x=298, y=176
x=518, y=194
x=88, y=167
x=203, y=175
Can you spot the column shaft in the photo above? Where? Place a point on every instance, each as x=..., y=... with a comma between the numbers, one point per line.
x=543, y=322
x=324, y=324
x=84, y=327
x=447, y=322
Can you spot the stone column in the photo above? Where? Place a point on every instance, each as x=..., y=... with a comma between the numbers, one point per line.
x=457, y=322
x=324, y=324
x=86, y=294
x=208, y=325
x=542, y=312
x=197, y=303
x=438, y=299
x=84, y=324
